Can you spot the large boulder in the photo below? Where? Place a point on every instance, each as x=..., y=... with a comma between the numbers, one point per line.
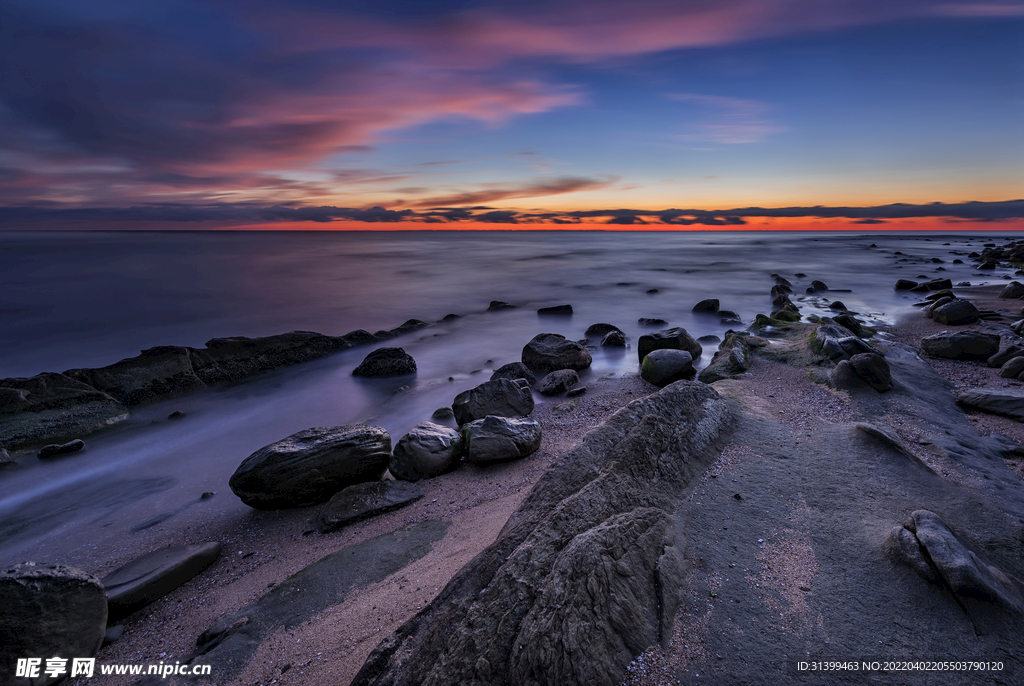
x=50, y=406
x=513, y=370
x=614, y=339
x=672, y=339
x=1008, y=403
x=873, y=370
x=547, y=352
x=558, y=382
x=600, y=329
x=501, y=397
x=709, y=306
x=150, y=577
x=1008, y=353
x=961, y=345
x=47, y=611
x=310, y=466
x=586, y=574
x=364, y=500
x=956, y=313
x=386, y=362
x=427, y=451
x=156, y=374
x=1013, y=290
x=662, y=367
x=499, y=439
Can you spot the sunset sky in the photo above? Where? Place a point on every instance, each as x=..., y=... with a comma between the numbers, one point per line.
x=178, y=114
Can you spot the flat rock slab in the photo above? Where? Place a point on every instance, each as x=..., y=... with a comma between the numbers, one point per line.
x=154, y=575
x=230, y=643
x=48, y=610
x=365, y=500
x=1006, y=403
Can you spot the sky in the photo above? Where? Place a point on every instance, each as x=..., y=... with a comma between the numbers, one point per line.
x=648, y=114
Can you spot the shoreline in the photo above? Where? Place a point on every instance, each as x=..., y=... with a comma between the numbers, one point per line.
x=261, y=549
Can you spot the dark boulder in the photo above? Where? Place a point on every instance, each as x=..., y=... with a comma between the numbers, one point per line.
x=827, y=336
x=52, y=406
x=365, y=500
x=359, y=337
x=428, y=450
x=156, y=374
x=386, y=362
x=501, y=397
x=230, y=359
x=733, y=357
x=513, y=370
x=150, y=577
x=1012, y=368
x=497, y=305
x=614, y=339
x=956, y=313
x=499, y=439
x=442, y=413
x=57, y=450
x=709, y=306
x=664, y=366
x=674, y=339
x=601, y=329
x=1013, y=290
x=558, y=382
x=1009, y=352
x=961, y=345
x=873, y=370
x=47, y=611
x=929, y=311
x=560, y=310
x=547, y=352
x=648, y=321
x=904, y=285
x=310, y=466
x=819, y=285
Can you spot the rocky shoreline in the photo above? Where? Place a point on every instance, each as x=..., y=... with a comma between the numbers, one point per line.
x=823, y=490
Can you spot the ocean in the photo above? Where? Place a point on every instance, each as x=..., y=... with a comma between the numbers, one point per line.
x=77, y=299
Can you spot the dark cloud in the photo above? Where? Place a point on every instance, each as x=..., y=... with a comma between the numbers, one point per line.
x=535, y=189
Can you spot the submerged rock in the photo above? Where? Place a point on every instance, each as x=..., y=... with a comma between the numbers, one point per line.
x=386, y=362
x=614, y=339
x=556, y=310
x=310, y=466
x=498, y=305
x=57, y=450
x=709, y=306
x=157, y=373
x=46, y=611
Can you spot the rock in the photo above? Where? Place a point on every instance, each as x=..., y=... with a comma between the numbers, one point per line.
x=52, y=406
x=873, y=369
x=961, y=345
x=499, y=439
x=501, y=397
x=600, y=330
x=904, y=285
x=442, y=413
x=56, y=450
x=1006, y=403
x=664, y=366
x=587, y=573
x=941, y=557
x=156, y=374
x=852, y=345
x=956, y=313
x=364, y=500
x=646, y=321
x=360, y=337
x=230, y=359
x=310, y=466
x=497, y=305
x=1014, y=290
x=819, y=285
x=513, y=370
x=152, y=576
x=558, y=382
x=556, y=310
x=113, y=634
x=786, y=315
x=1012, y=368
x=46, y=611
x=933, y=285
x=6, y=459
x=826, y=337
x=1007, y=353
x=843, y=377
x=614, y=339
x=837, y=305
x=930, y=310
x=547, y=352
x=427, y=451
x=652, y=291
x=450, y=317
x=709, y=338
x=709, y=306
x=675, y=339
x=733, y=357
x=177, y=414
x=944, y=293
x=386, y=362
x=575, y=391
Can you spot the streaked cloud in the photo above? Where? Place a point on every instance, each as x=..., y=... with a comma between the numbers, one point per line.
x=496, y=191
x=732, y=121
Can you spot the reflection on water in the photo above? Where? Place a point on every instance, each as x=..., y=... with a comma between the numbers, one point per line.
x=90, y=299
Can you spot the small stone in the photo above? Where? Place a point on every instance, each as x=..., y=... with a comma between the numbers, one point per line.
x=56, y=450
